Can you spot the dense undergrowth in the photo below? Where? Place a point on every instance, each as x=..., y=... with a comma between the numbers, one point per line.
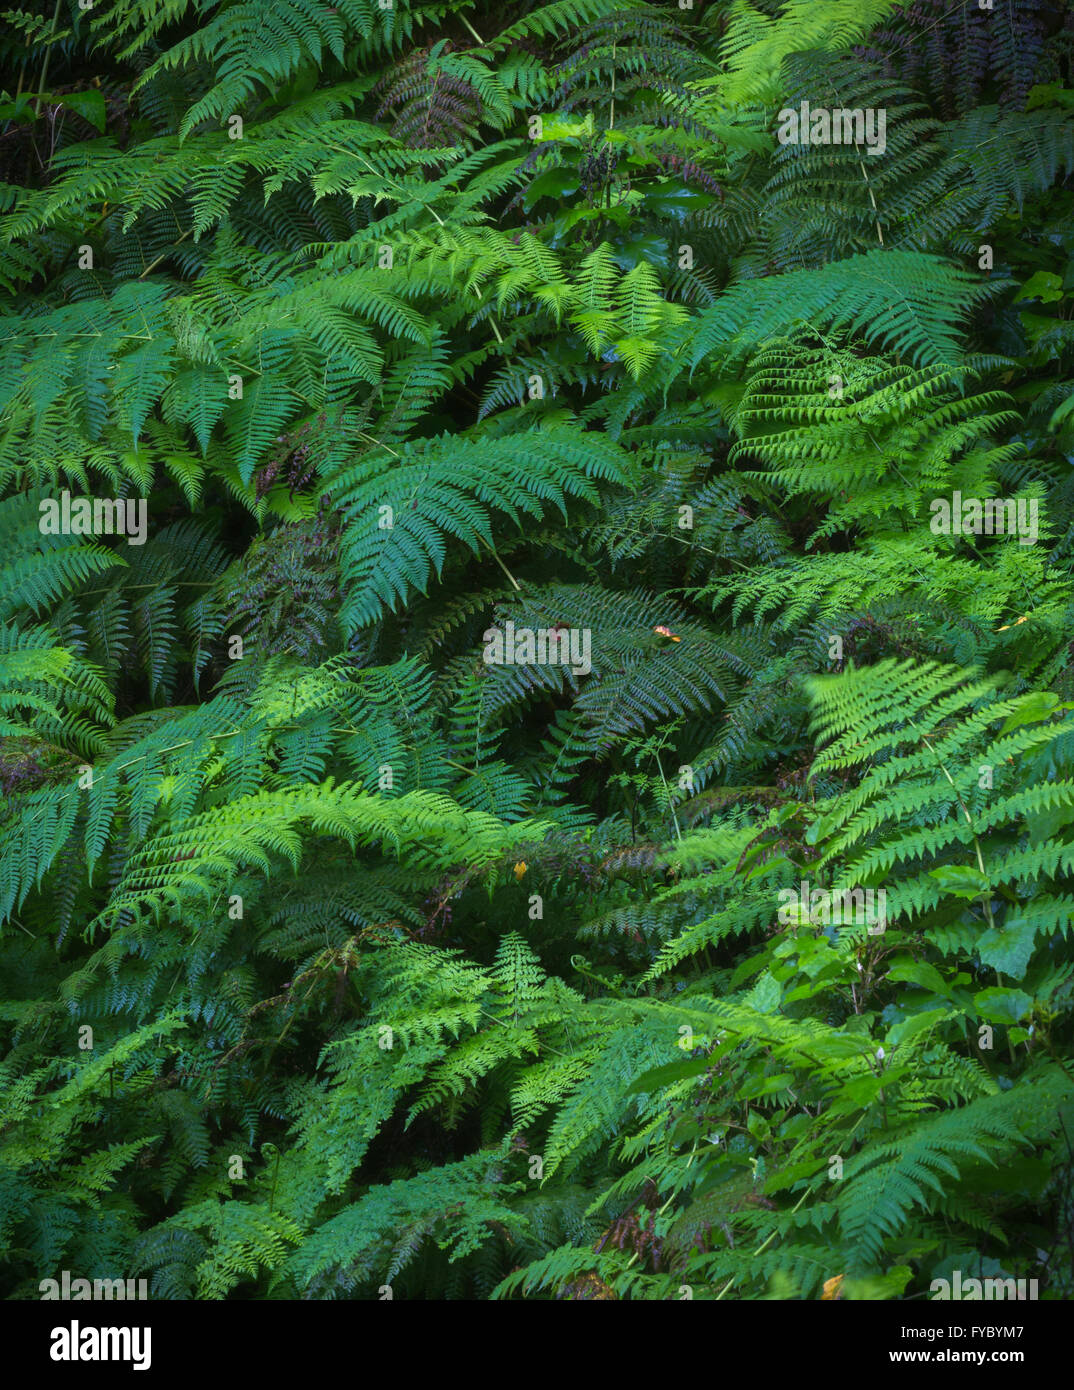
x=339, y=961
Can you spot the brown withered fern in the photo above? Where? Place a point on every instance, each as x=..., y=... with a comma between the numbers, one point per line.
x=282, y=597
x=962, y=55
x=428, y=107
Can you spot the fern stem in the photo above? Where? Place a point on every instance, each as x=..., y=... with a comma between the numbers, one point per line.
x=868, y=184
x=764, y=1244
x=986, y=901
x=546, y=1046
x=472, y=30
x=671, y=804
x=584, y=970
x=164, y=254
x=511, y=577
x=380, y=445
x=693, y=1154
x=380, y=174
x=18, y=93
x=275, y=1176
x=48, y=55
